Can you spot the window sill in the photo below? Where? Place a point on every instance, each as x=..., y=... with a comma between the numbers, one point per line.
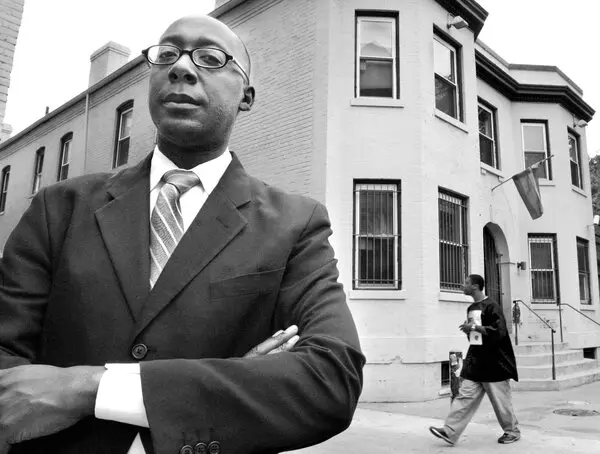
x=376, y=102
x=383, y=294
x=549, y=183
x=579, y=191
x=489, y=169
x=455, y=297
x=587, y=308
x=451, y=120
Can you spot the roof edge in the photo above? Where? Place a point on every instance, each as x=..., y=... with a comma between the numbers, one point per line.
x=470, y=10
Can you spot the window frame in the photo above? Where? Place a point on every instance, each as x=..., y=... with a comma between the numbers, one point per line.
x=65, y=140
x=493, y=114
x=586, y=259
x=549, y=238
x=462, y=202
x=122, y=110
x=396, y=234
x=456, y=48
x=548, y=163
x=4, y=188
x=576, y=137
x=379, y=16
x=38, y=167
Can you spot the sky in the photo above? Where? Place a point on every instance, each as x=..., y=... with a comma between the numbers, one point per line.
x=544, y=32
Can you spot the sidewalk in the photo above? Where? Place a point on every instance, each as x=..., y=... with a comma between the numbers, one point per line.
x=403, y=427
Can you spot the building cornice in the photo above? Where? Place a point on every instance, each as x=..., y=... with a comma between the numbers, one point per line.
x=129, y=66
x=516, y=91
x=469, y=10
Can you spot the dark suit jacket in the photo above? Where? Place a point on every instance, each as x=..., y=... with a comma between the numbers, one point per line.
x=74, y=290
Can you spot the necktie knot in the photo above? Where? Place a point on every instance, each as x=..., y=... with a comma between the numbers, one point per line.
x=183, y=180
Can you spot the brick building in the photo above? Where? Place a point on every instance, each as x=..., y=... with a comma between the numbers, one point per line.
x=402, y=124
x=11, y=12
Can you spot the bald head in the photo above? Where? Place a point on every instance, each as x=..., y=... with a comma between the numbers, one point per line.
x=209, y=31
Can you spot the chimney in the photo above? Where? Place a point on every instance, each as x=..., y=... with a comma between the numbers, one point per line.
x=107, y=59
x=5, y=131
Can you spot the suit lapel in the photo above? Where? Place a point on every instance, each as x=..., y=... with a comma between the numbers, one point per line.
x=124, y=224
x=217, y=223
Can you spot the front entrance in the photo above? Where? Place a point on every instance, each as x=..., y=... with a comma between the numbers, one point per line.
x=491, y=264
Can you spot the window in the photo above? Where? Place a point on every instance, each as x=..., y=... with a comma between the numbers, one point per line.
x=376, y=56
x=575, y=157
x=488, y=149
x=447, y=78
x=65, y=156
x=37, y=170
x=124, y=118
x=535, y=147
x=4, y=188
x=544, y=268
x=454, y=258
x=376, y=235
x=583, y=267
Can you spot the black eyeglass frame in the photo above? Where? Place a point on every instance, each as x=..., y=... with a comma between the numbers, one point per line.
x=190, y=52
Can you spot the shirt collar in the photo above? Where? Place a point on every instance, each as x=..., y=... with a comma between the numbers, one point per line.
x=209, y=172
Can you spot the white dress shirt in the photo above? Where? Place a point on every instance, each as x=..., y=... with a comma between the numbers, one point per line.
x=119, y=395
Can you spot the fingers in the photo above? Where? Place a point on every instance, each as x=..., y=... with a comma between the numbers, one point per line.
x=277, y=340
x=285, y=347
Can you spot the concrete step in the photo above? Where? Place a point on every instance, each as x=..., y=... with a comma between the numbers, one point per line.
x=563, y=382
x=540, y=359
x=562, y=369
x=539, y=347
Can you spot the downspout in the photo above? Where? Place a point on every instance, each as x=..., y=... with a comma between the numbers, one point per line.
x=85, y=132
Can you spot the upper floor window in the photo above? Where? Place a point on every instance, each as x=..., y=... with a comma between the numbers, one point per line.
x=37, y=170
x=583, y=267
x=376, y=56
x=454, y=246
x=377, y=235
x=448, y=89
x=575, y=157
x=123, y=133
x=65, y=156
x=488, y=147
x=544, y=268
x=4, y=188
x=535, y=147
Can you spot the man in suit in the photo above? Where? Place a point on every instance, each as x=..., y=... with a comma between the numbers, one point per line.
x=127, y=302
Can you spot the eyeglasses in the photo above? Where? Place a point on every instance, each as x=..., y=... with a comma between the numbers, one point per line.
x=206, y=57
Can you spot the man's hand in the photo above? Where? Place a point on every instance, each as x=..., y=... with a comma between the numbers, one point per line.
x=467, y=327
x=281, y=341
x=38, y=400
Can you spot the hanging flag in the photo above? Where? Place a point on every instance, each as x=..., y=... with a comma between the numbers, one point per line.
x=529, y=189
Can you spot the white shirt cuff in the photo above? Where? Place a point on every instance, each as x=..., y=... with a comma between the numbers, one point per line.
x=120, y=397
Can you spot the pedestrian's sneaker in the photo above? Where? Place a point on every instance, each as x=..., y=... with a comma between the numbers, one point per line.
x=441, y=433
x=506, y=439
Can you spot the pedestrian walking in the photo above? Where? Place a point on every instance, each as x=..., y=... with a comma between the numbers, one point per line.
x=487, y=369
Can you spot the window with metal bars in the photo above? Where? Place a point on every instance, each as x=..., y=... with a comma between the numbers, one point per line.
x=377, y=235
x=454, y=246
x=583, y=268
x=544, y=268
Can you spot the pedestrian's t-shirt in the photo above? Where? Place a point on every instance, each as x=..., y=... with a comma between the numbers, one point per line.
x=493, y=360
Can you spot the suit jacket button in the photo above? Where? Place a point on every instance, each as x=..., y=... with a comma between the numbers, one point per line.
x=140, y=351
x=214, y=447
x=200, y=448
x=186, y=449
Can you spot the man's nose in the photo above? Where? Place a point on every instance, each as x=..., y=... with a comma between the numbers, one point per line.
x=183, y=70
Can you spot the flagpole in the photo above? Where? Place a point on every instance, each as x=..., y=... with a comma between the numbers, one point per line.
x=532, y=166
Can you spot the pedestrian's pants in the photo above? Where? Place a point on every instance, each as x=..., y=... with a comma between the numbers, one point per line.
x=467, y=402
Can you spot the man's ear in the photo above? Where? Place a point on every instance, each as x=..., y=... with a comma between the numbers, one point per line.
x=248, y=99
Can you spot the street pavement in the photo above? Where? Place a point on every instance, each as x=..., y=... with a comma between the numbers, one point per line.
x=403, y=427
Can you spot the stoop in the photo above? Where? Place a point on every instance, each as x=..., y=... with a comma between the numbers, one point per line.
x=534, y=363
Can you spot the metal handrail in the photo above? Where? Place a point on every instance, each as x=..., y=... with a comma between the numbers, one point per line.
x=580, y=313
x=552, y=330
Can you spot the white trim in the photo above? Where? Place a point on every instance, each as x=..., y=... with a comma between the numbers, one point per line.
x=456, y=83
x=364, y=294
x=451, y=120
x=492, y=170
x=543, y=125
x=376, y=102
x=454, y=297
x=495, y=151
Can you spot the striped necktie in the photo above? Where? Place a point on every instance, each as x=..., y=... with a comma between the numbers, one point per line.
x=166, y=222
